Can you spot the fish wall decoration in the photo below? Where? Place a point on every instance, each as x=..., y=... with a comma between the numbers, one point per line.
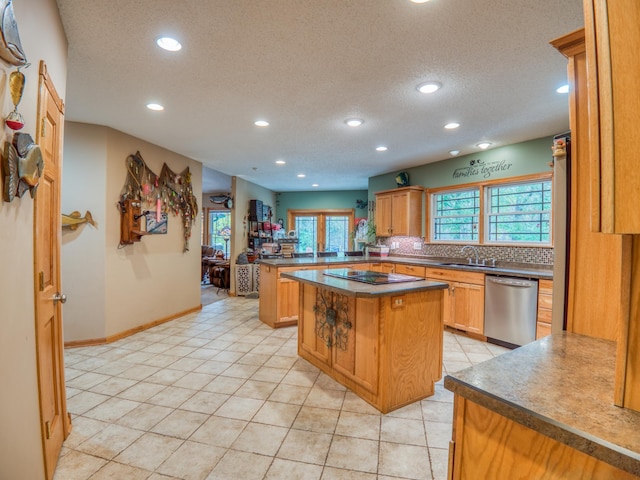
x=73, y=220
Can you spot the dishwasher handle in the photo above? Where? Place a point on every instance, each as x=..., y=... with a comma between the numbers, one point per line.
x=511, y=282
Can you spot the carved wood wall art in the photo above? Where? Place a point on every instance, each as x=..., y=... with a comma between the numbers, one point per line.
x=22, y=166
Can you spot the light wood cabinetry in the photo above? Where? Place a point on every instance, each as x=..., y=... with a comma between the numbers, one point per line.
x=382, y=267
x=545, y=303
x=415, y=270
x=463, y=300
x=613, y=63
x=391, y=352
x=399, y=212
x=489, y=445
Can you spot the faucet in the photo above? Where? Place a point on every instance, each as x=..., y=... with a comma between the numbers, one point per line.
x=475, y=252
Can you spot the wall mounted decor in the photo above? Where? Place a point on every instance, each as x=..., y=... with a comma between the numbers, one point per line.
x=10, y=47
x=153, y=226
x=14, y=120
x=167, y=192
x=22, y=166
x=73, y=220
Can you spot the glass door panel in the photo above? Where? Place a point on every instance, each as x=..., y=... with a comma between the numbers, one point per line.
x=337, y=230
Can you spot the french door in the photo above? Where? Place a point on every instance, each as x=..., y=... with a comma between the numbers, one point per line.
x=322, y=230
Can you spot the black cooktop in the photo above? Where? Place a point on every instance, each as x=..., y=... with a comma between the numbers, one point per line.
x=371, y=277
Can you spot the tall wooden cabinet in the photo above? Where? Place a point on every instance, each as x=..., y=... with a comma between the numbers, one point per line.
x=399, y=212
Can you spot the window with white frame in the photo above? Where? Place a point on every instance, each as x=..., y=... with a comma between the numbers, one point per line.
x=519, y=213
x=455, y=215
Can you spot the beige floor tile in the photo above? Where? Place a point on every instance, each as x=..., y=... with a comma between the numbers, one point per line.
x=110, y=441
x=118, y=471
x=319, y=397
x=83, y=429
x=326, y=382
x=204, y=402
x=361, y=425
x=256, y=389
x=240, y=408
x=228, y=356
x=240, y=465
x=161, y=360
x=413, y=411
x=219, y=431
x=192, y=461
x=180, y=351
x=144, y=417
x=438, y=434
x=276, y=413
x=77, y=466
x=269, y=374
x=304, y=446
x=353, y=403
x=194, y=380
x=331, y=473
x=403, y=430
x=203, y=354
x=290, y=394
x=213, y=367
x=180, y=424
x=138, y=372
x=277, y=361
x=84, y=401
x=441, y=395
x=113, y=386
x=260, y=439
x=353, y=454
x=254, y=359
x=141, y=391
x=286, y=469
x=406, y=461
x=112, y=409
x=239, y=370
x=439, y=462
x=320, y=420
x=301, y=378
x=228, y=385
x=437, y=411
x=149, y=451
x=171, y=397
x=165, y=376
x=87, y=380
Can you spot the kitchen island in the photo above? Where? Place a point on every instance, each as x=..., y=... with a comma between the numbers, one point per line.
x=544, y=410
x=384, y=342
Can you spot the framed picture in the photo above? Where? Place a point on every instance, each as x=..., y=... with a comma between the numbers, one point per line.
x=156, y=228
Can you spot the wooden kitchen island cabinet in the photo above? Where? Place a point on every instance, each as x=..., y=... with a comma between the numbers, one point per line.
x=384, y=342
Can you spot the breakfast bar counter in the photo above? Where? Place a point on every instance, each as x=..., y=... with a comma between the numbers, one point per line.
x=384, y=342
x=544, y=410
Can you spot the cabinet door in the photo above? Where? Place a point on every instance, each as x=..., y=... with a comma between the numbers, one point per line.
x=308, y=340
x=357, y=356
x=382, y=267
x=288, y=298
x=415, y=270
x=468, y=307
x=383, y=215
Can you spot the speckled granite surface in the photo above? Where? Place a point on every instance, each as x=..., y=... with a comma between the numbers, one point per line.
x=357, y=289
x=562, y=387
x=503, y=268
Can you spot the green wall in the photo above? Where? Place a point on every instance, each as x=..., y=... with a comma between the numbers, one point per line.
x=319, y=200
x=524, y=158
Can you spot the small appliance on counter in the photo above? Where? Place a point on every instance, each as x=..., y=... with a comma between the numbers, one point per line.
x=378, y=250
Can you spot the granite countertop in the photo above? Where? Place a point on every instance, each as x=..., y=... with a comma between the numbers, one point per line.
x=352, y=288
x=561, y=386
x=503, y=268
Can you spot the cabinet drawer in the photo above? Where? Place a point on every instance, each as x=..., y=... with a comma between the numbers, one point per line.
x=544, y=315
x=474, y=278
x=542, y=330
x=545, y=287
x=415, y=270
x=545, y=301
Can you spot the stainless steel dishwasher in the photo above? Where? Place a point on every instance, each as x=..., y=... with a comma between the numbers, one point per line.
x=510, y=306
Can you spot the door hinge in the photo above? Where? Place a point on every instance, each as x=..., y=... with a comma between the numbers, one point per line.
x=43, y=129
x=47, y=427
x=41, y=281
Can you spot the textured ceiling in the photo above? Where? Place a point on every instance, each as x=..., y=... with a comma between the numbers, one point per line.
x=306, y=66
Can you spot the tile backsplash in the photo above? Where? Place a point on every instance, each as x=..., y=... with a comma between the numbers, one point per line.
x=405, y=246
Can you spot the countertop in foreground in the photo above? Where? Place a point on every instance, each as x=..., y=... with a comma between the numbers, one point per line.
x=357, y=289
x=560, y=386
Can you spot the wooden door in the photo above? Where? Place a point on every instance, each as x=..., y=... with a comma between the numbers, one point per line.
x=383, y=215
x=55, y=422
x=400, y=213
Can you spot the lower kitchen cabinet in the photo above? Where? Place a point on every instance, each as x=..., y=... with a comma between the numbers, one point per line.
x=545, y=303
x=463, y=300
x=415, y=270
x=383, y=267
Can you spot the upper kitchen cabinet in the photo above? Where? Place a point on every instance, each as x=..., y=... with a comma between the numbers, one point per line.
x=613, y=63
x=399, y=212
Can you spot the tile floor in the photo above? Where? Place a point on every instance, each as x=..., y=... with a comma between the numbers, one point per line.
x=219, y=395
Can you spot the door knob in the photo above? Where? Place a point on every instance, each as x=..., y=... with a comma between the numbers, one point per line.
x=59, y=297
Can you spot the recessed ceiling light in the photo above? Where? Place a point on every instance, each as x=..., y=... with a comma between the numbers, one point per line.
x=451, y=126
x=301, y=175
x=484, y=145
x=429, y=87
x=280, y=162
x=315, y=185
x=155, y=106
x=563, y=89
x=454, y=153
x=354, y=122
x=419, y=1
x=261, y=123
x=168, y=43
x=381, y=148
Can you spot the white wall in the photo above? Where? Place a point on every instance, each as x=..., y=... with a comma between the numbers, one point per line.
x=42, y=38
x=83, y=259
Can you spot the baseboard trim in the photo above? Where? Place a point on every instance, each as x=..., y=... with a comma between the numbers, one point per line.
x=126, y=333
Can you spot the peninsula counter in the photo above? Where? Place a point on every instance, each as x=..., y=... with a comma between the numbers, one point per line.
x=384, y=342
